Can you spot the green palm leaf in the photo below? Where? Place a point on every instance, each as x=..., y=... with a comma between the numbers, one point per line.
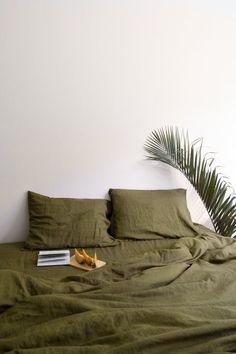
x=170, y=146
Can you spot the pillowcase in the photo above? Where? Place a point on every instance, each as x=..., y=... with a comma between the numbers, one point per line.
x=67, y=222
x=149, y=214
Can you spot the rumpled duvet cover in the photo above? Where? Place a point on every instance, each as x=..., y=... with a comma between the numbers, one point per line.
x=163, y=296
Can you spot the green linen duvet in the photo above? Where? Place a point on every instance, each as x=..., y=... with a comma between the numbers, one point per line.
x=163, y=296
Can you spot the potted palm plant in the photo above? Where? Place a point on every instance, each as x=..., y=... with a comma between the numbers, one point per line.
x=174, y=148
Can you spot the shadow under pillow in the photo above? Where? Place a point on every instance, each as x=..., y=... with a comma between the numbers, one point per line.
x=67, y=222
x=149, y=214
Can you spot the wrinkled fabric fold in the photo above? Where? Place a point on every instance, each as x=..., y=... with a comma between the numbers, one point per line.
x=167, y=296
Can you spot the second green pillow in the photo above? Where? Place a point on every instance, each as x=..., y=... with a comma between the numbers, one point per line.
x=149, y=214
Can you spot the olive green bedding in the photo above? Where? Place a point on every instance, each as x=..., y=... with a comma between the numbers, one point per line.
x=153, y=296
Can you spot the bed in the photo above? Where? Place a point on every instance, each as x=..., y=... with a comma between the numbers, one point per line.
x=155, y=295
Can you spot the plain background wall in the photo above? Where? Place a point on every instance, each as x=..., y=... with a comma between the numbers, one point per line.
x=84, y=82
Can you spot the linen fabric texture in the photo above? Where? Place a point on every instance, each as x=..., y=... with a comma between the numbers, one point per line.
x=67, y=222
x=150, y=214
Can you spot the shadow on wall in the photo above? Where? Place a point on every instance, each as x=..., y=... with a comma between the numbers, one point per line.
x=18, y=228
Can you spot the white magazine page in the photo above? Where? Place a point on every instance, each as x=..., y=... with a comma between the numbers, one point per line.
x=54, y=257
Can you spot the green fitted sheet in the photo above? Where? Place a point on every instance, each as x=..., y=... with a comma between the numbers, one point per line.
x=163, y=296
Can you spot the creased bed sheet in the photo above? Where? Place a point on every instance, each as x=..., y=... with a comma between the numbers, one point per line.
x=164, y=296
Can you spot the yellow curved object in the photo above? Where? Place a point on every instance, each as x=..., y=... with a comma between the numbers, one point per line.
x=94, y=264
x=79, y=257
x=88, y=259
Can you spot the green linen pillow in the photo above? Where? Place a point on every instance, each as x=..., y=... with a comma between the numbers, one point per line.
x=149, y=214
x=67, y=222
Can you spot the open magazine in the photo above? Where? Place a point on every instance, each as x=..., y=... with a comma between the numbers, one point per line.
x=53, y=258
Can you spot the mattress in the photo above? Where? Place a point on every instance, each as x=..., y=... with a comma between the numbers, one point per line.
x=153, y=296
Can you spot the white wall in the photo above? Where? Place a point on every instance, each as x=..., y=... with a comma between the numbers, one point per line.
x=83, y=83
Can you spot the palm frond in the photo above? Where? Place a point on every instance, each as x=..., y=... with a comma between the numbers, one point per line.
x=174, y=148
